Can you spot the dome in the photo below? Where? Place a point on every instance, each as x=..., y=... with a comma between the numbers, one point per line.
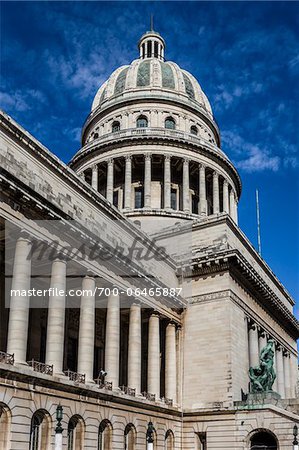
x=151, y=76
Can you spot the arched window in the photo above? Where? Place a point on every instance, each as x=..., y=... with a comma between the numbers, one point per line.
x=142, y=122
x=39, y=430
x=169, y=440
x=75, y=433
x=170, y=123
x=115, y=126
x=194, y=130
x=130, y=437
x=96, y=135
x=105, y=435
x=5, y=419
x=263, y=440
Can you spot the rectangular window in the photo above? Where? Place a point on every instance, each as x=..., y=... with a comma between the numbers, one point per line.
x=173, y=199
x=115, y=198
x=138, y=197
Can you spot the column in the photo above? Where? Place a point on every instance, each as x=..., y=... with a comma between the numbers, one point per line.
x=262, y=339
x=287, y=378
x=94, y=178
x=215, y=193
x=231, y=203
x=153, y=365
x=112, y=340
x=134, y=349
x=253, y=345
x=147, y=180
x=280, y=372
x=225, y=197
x=186, y=206
x=202, y=190
x=110, y=180
x=87, y=328
x=19, y=305
x=235, y=209
x=275, y=384
x=170, y=363
x=167, y=182
x=56, y=316
x=128, y=181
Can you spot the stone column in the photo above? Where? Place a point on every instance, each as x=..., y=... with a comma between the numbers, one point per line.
x=202, y=190
x=235, y=208
x=167, y=182
x=147, y=180
x=280, y=372
x=275, y=384
x=128, y=181
x=110, y=180
x=262, y=339
x=170, y=363
x=253, y=345
x=94, y=179
x=287, y=377
x=56, y=316
x=112, y=340
x=215, y=193
x=231, y=203
x=186, y=202
x=153, y=365
x=225, y=197
x=19, y=305
x=87, y=328
x=134, y=349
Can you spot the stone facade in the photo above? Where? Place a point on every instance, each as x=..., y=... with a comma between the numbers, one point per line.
x=151, y=172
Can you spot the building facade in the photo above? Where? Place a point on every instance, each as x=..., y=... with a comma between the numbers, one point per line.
x=152, y=303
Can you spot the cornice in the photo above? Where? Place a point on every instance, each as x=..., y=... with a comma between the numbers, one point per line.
x=118, y=140
x=245, y=275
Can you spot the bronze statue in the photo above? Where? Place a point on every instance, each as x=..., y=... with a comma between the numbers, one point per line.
x=263, y=376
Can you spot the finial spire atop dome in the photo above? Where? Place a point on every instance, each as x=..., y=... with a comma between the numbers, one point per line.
x=151, y=44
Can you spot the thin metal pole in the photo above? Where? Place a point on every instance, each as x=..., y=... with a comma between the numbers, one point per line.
x=258, y=223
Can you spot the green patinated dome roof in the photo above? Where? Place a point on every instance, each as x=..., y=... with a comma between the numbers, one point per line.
x=154, y=76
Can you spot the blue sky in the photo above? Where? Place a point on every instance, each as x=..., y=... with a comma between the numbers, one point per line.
x=55, y=55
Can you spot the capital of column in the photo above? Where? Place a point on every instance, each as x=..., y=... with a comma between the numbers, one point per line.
x=128, y=157
x=251, y=324
x=167, y=158
x=148, y=156
x=215, y=174
x=110, y=162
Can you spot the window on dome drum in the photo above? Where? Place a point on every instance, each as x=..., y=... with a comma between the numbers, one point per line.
x=156, y=49
x=170, y=123
x=149, y=49
x=173, y=199
x=142, y=122
x=115, y=126
x=194, y=130
x=138, y=197
x=194, y=204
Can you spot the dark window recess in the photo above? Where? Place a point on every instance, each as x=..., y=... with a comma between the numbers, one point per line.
x=142, y=122
x=194, y=130
x=194, y=204
x=170, y=123
x=115, y=198
x=115, y=126
x=156, y=49
x=138, y=198
x=173, y=199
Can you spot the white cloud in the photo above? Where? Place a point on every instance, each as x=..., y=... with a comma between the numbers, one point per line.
x=250, y=157
x=21, y=100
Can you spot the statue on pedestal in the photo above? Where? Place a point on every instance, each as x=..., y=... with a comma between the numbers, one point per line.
x=263, y=376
